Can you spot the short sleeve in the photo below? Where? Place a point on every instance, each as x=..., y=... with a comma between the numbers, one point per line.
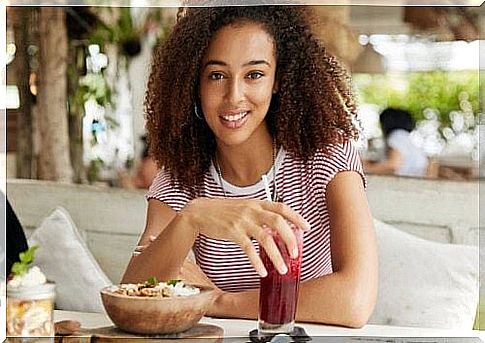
x=166, y=191
x=342, y=157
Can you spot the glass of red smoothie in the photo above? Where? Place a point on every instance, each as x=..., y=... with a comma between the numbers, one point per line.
x=278, y=294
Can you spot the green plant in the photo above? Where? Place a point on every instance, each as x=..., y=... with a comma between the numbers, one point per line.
x=417, y=91
x=122, y=33
x=94, y=169
x=152, y=280
x=26, y=259
x=93, y=86
x=173, y=282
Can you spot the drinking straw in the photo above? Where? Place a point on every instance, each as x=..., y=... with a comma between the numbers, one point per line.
x=266, y=187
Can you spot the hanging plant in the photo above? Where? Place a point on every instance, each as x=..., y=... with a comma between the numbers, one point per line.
x=123, y=33
x=93, y=86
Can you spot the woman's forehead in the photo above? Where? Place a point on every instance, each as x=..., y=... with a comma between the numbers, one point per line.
x=244, y=41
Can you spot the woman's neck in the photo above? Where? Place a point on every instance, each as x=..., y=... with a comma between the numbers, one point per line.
x=243, y=165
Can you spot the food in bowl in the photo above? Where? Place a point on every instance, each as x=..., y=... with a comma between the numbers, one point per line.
x=156, y=307
x=172, y=288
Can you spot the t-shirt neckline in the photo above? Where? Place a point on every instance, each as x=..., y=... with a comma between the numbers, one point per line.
x=244, y=190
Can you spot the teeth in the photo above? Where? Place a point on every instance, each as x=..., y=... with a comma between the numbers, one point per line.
x=235, y=117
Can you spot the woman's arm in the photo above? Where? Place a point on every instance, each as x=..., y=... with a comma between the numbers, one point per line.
x=348, y=295
x=164, y=256
x=229, y=219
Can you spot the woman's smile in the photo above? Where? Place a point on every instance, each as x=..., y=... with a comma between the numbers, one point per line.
x=234, y=119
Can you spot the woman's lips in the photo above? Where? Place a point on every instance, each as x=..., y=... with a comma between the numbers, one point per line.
x=234, y=120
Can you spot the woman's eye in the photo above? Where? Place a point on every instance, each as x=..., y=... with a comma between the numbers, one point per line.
x=255, y=75
x=216, y=76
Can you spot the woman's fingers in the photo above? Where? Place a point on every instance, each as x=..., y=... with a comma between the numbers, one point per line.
x=240, y=220
x=266, y=242
x=281, y=218
x=248, y=248
x=283, y=228
x=287, y=212
x=190, y=272
x=139, y=248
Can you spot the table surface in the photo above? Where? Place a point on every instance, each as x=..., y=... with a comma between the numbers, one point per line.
x=240, y=328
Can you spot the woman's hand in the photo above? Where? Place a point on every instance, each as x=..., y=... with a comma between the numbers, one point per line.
x=191, y=273
x=140, y=248
x=239, y=220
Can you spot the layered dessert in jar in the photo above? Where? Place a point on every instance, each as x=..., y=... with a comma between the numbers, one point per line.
x=30, y=303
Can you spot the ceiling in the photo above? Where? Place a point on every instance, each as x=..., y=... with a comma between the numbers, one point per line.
x=447, y=23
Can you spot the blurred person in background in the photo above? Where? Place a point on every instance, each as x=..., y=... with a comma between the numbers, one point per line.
x=403, y=156
x=145, y=171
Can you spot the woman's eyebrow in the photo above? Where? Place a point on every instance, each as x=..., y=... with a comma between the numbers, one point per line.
x=215, y=62
x=256, y=62
x=224, y=64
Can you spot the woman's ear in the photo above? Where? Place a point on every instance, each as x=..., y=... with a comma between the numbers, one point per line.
x=276, y=87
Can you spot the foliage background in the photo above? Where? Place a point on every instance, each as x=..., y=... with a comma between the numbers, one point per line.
x=444, y=91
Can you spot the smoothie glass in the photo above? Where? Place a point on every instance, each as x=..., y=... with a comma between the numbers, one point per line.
x=278, y=294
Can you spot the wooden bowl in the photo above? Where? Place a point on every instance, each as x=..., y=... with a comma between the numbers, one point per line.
x=149, y=315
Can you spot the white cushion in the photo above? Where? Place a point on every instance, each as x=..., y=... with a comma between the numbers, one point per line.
x=424, y=283
x=65, y=259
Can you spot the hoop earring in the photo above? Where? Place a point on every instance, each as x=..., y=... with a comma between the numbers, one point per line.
x=274, y=105
x=196, y=112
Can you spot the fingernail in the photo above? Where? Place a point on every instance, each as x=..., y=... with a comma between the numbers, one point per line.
x=263, y=273
x=294, y=253
x=307, y=226
x=136, y=253
x=283, y=269
x=153, y=237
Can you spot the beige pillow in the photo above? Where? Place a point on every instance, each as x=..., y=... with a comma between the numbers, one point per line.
x=65, y=259
x=424, y=283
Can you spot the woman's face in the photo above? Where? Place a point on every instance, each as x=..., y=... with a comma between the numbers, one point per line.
x=237, y=80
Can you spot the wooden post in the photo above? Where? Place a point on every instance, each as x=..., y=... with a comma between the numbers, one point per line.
x=336, y=34
x=21, y=19
x=54, y=160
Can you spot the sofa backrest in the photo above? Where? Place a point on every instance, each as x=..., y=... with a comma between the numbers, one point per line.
x=111, y=220
x=439, y=210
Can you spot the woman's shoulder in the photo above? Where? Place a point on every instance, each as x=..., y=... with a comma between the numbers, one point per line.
x=165, y=188
x=337, y=157
x=339, y=152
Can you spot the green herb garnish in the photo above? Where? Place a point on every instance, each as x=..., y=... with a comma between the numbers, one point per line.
x=173, y=282
x=26, y=259
x=152, y=280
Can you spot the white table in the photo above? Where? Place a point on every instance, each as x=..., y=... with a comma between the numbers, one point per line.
x=239, y=328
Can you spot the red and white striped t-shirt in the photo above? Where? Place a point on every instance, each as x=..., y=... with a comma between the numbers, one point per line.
x=300, y=185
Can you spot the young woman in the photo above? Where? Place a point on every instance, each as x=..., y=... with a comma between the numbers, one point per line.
x=236, y=93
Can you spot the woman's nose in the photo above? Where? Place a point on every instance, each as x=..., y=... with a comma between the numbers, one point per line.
x=235, y=91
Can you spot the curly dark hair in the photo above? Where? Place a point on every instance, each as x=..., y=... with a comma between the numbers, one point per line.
x=316, y=104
